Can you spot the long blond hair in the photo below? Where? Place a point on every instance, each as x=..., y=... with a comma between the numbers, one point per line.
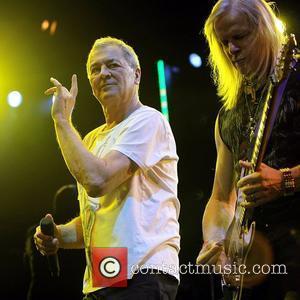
x=264, y=21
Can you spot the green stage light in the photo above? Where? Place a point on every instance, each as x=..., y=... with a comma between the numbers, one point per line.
x=162, y=88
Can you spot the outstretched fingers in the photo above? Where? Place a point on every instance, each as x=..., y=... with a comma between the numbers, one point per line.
x=55, y=82
x=51, y=91
x=74, y=86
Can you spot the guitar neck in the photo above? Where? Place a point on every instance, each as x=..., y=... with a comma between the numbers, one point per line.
x=262, y=132
x=262, y=135
x=278, y=81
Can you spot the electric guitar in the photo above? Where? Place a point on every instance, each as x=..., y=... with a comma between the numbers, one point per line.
x=241, y=234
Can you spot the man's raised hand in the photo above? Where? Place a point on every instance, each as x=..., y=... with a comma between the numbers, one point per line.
x=64, y=99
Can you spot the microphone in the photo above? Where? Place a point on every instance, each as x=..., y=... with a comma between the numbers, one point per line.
x=47, y=228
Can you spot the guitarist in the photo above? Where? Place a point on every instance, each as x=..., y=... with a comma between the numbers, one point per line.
x=245, y=38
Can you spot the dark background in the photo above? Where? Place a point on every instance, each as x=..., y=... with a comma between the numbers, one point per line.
x=32, y=168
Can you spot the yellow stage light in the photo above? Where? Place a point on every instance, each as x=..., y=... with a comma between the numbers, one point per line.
x=45, y=25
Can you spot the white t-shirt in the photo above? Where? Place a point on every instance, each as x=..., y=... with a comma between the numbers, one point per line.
x=142, y=213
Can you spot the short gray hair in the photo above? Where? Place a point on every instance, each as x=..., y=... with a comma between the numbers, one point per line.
x=128, y=52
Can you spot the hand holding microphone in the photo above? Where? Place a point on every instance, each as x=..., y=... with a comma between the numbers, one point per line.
x=46, y=242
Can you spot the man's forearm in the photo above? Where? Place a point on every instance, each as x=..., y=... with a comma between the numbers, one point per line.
x=216, y=220
x=82, y=164
x=70, y=235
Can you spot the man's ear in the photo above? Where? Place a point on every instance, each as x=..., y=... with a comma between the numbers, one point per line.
x=137, y=76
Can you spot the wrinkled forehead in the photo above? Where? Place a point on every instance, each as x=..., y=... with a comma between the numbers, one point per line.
x=103, y=53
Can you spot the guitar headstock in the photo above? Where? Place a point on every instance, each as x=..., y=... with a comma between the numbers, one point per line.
x=287, y=59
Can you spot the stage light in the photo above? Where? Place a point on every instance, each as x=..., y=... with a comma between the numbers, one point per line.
x=53, y=27
x=14, y=99
x=195, y=60
x=162, y=88
x=45, y=25
x=49, y=25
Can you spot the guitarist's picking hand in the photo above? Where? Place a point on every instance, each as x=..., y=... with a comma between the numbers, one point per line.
x=261, y=186
x=210, y=253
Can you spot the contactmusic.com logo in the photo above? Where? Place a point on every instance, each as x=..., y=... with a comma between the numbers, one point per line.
x=109, y=267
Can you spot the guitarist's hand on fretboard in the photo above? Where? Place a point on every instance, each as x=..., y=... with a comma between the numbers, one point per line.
x=262, y=186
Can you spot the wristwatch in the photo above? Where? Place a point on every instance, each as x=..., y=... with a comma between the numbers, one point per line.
x=288, y=182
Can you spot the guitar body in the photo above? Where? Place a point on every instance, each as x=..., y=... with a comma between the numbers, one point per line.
x=238, y=244
x=241, y=242
x=247, y=255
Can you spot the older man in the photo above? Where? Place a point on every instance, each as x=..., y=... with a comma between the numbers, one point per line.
x=245, y=41
x=126, y=171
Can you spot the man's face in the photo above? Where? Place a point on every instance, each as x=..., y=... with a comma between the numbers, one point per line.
x=239, y=41
x=111, y=76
